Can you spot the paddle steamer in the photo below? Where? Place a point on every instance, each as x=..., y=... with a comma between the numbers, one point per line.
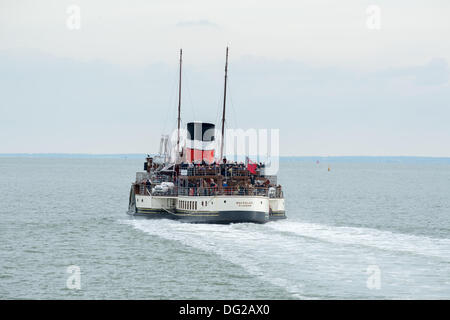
x=196, y=186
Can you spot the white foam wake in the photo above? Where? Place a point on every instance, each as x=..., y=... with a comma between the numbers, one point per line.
x=384, y=240
x=287, y=254
x=241, y=244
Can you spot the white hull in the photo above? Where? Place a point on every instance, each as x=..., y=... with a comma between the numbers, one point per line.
x=224, y=208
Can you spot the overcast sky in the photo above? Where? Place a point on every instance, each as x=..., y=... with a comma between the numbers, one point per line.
x=320, y=71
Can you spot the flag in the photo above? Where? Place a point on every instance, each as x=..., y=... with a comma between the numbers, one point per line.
x=251, y=166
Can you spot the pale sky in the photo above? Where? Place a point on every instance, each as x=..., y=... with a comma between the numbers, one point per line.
x=312, y=69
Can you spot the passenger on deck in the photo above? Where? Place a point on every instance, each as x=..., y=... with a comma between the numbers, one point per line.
x=148, y=185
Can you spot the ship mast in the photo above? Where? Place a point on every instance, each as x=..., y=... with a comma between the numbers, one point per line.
x=224, y=102
x=179, y=106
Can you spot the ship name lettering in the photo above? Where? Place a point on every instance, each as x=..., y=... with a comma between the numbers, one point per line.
x=244, y=203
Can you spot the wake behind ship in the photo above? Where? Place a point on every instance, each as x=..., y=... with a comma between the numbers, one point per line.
x=196, y=186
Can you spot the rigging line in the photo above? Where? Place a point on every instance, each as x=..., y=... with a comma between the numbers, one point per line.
x=171, y=104
x=216, y=122
x=186, y=81
x=218, y=117
x=219, y=106
x=218, y=109
x=232, y=105
x=174, y=110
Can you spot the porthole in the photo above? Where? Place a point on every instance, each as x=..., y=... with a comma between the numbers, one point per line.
x=224, y=201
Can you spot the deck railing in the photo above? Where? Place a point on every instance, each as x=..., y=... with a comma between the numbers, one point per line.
x=229, y=171
x=143, y=189
x=224, y=191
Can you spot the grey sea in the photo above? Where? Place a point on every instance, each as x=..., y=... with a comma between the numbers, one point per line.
x=377, y=229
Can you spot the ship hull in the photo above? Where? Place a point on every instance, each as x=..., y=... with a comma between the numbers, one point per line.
x=222, y=217
x=202, y=209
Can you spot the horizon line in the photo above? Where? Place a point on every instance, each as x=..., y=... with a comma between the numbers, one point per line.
x=55, y=154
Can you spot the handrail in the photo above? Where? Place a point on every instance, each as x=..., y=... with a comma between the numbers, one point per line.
x=224, y=170
x=210, y=191
x=216, y=191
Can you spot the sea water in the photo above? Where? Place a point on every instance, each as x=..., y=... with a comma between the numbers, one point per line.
x=361, y=230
